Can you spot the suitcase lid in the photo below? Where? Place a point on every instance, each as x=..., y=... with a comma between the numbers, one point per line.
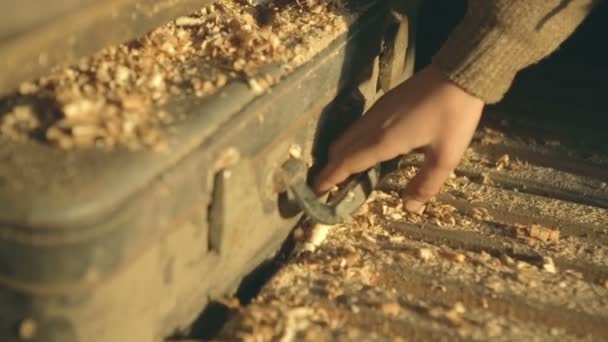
x=44, y=187
x=37, y=35
x=70, y=228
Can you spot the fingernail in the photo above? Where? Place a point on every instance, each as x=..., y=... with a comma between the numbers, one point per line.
x=321, y=188
x=413, y=206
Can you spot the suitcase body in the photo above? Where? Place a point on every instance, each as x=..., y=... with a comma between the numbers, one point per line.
x=103, y=246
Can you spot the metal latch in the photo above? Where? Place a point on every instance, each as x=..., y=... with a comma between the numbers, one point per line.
x=340, y=205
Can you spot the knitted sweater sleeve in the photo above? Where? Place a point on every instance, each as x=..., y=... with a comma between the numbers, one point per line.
x=498, y=38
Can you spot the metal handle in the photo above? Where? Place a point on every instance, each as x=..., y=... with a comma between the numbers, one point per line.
x=340, y=205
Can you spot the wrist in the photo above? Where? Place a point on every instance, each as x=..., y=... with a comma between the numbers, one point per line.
x=452, y=87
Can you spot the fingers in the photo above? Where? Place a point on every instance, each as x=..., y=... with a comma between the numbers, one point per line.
x=358, y=149
x=429, y=180
x=370, y=122
x=376, y=119
x=358, y=157
x=428, y=111
x=339, y=169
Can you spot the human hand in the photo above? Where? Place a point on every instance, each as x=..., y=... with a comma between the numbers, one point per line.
x=427, y=112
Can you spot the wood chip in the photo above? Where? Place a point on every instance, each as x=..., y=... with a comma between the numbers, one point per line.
x=481, y=214
x=27, y=329
x=318, y=234
x=295, y=151
x=456, y=257
x=19, y=123
x=549, y=265
x=537, y=232
x=507, y=260
x=491, y=137
x=189, y=21
x=368, y=238
x=425, y=254
x=255, y=86
x=226, y=158
x=391, y=308
x=459, y=308
x=232, y=303
x=27, y=88
x=503, y=162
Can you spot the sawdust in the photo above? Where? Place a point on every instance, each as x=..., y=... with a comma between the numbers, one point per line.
x=378, y=279
x=537, y=231
x=363, y=273
x=18, y=123
x=115, y=97
x=27, y=329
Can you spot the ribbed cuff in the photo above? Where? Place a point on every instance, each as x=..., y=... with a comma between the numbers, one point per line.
x=482, y=59
x=498, y=38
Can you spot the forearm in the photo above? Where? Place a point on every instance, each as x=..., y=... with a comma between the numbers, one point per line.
x=496, y=39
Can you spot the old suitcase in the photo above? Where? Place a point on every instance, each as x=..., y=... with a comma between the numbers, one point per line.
x=118, y=245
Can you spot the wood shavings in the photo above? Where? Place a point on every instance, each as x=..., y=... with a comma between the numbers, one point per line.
x=507, y=163
x=196, y=54
x=368, y=238
x=256, y=86
x=297, y=320
x=481, y=214
x=189, y=21
x=453, y=315
x=27, y=329
x=456, y=257
x=391, y=308
x=425, y=254
x=486, y=179
x=232, y=303
x=19, y=123
x=493, y=328
x=440, y=214
x=507, y=260
x=537, y=232
x=226, y=158
x=503, y=162
x=318, y=234
x=549, y=265
x=295, y=151
x=459, y=308
x=27, y=88
x=491, y=136
x=258, y=2
x=373, y=270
